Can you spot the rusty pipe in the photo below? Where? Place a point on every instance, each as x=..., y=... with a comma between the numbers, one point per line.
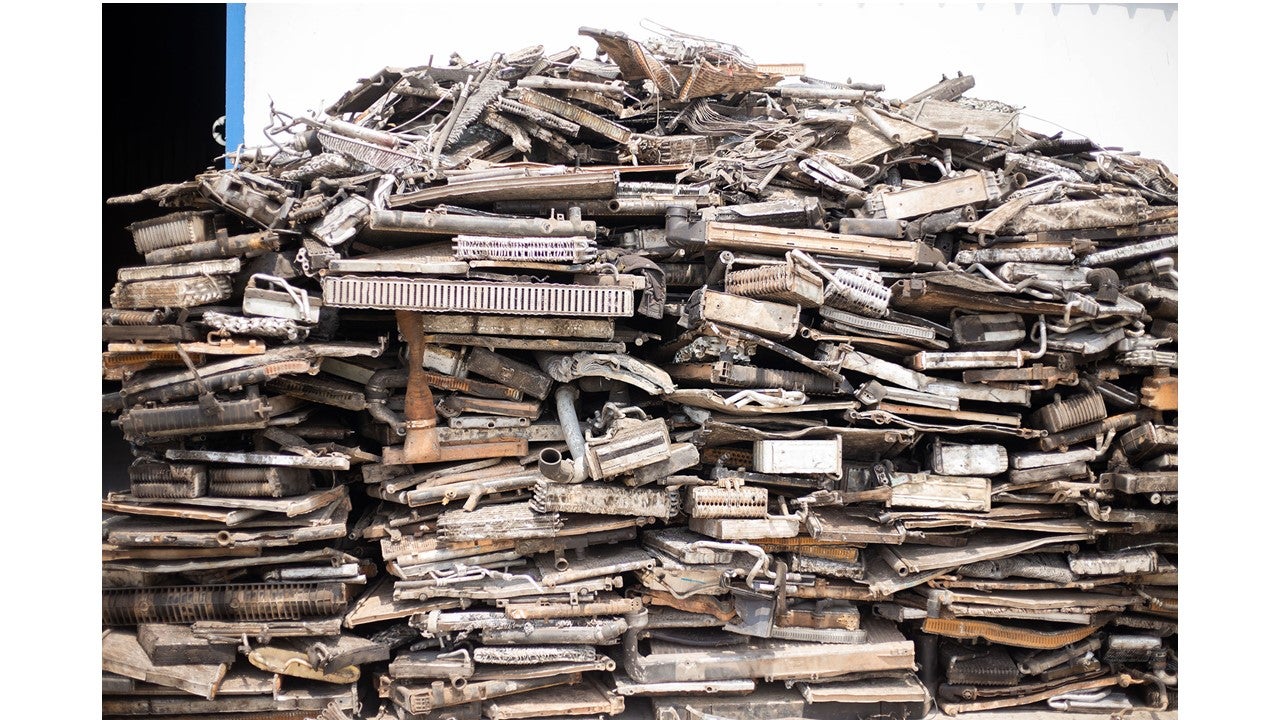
x=551, y=463
x=548, y=83
x=114, y=402
x=875, y=119
x=378, y=390
x=680, y=231
x=554, y=467
x=1158, y=696
x=408, y=226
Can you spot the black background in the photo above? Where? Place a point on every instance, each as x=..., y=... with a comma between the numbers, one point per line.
x=163, y=87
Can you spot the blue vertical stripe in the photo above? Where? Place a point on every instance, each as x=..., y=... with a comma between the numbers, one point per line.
x=235, y=77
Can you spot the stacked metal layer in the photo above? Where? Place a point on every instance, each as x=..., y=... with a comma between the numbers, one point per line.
x=665, y=381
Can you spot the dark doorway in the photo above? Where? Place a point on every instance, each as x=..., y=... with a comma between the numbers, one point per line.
x=163, y=86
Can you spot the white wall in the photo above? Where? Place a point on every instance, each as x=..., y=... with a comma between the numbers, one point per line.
x=1089, y=69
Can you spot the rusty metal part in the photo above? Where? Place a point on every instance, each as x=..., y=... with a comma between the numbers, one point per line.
x=875, y=227
x=770, y=319
x=180, y=228
x=123, y=655
x=612, y=366
x=497, y=522
x=332, y=462
x=1141, y=483
x=534, y=343
x=760, y=238
x=867, y=364
x=422, y=699
x=1038, y=376
x=878, y=327
x=264, y=630
x=713, y=501
x=229, y=266
x=1128, y=562
x=258, y=481
x=798, y=212
x=167, y=480
x=748, y=376
x=500, y=325
x=953, y=120
x=1112, y=423
x=944, y=89
x=572, y=113
x=922, y=490
x=455, y=405
x=785, y=283
x=812, y=547
x=990, y=667
x=456, y=666
x=770, y=526
x=295, y=664
x=640, y=516
x=590, y=697
x=514, y=374
x=850, y=567
x=249, y=601
x=320, y=389
x=1148, y=439
x=1006, y=635
x=177, y=645
x=545, y=611
x=112, y=317
x=1160, y=390
x=190, y=419
x=1079, y=214
x=598, y=631
x=628, y=445
x=1024, y=695
x=605, y=500
x=1072, y=413
x=961, y=459
x=407, y=227
x=767, y=659
x=568, y=186
x=975, y=188
x=592, y=562
x=184, y=292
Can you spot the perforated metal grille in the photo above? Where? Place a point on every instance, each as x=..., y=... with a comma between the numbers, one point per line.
x=533, y=249
x=717, y=502
x=390, y=293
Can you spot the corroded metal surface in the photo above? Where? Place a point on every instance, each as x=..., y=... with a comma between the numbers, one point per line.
x=517, y=387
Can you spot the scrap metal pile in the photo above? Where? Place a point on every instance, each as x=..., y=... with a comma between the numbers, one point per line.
x=553, y=385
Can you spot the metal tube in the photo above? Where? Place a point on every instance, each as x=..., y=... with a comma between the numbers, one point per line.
x=565, y=395
x=554, y=467
x=407, y=226
x=875, y=119
x=821, y=93
x=376, y=392
x=549, y=83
